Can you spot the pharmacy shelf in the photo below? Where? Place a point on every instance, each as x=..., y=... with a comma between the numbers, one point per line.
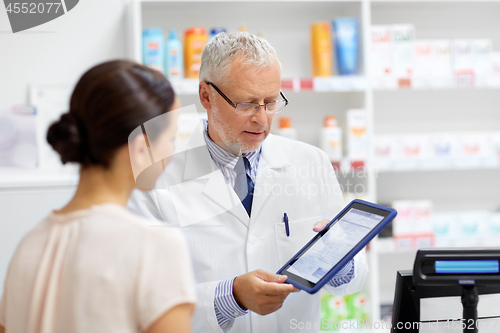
x=186, y=86
x=473, y=166
x=341, y=84
x=16, y=178
x=425, y=83
x=290, y=38
x=431, y=105
x=387, y=245
x=454, y=190
x=327, y=84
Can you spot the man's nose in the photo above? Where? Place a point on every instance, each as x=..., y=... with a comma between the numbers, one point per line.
x=260, y=116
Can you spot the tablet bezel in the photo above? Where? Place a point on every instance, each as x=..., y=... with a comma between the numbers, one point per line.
x=301, y=283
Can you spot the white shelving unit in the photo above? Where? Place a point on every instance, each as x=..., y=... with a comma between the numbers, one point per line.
x=435, y=109
x=430, y=106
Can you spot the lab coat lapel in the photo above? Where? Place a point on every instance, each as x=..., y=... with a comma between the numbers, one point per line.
x=198, y=162
x=199, y=165
x=223, y=194
x=271, y=164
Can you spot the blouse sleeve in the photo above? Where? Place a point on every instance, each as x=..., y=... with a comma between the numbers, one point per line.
x=165, y=277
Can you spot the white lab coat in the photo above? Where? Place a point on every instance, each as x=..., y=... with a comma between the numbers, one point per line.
x=293, y=178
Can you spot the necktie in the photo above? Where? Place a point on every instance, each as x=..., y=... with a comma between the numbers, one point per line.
x=243, y=185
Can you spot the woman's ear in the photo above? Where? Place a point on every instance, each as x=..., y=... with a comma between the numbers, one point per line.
x=138, y=149
x=139, y=154
x=145, y=171
x=205, y=95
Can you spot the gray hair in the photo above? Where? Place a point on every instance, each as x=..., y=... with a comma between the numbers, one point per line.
x=223, y=49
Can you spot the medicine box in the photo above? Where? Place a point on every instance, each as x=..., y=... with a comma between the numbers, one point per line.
x=474, y=150
x=403, y=49
x=424, y=58
x=481, y=60
x=357, y=139
x=380, y=50
x=494, y=80
x=444, y=148
x=412, y=228
x=412, y=152
x=442, y=64
x=384, y=147
x=463, y=67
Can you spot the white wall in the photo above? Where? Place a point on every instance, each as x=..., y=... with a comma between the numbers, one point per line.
x=59, y=51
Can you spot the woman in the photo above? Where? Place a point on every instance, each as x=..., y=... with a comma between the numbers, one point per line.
x=92, y=266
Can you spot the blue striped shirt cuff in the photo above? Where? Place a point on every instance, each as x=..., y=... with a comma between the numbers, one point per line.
x=345, y=275
x=226, y=308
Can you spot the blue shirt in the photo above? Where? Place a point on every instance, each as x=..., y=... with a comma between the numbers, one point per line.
x=226, y=161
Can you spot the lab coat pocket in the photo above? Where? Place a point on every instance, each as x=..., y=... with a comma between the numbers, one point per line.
x=301, y=232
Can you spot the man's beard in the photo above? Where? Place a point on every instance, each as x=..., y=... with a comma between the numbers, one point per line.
x=233, y=143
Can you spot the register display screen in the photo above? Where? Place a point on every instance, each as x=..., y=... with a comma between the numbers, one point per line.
x=466, y=266
x=340, y=238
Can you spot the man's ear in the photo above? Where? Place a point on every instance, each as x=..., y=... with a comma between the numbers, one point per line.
x=205, y=95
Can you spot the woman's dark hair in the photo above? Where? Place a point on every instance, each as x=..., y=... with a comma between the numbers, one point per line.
x=109, y=101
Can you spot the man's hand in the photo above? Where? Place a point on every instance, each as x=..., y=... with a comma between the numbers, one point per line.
x=261, y=292
x=318, y=226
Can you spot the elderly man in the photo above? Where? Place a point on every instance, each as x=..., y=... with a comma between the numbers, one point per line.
x=232, y=206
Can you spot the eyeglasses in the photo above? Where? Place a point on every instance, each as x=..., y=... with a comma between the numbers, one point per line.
x=251, y=108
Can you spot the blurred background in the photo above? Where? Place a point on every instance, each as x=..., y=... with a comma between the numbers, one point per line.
x=404, y=97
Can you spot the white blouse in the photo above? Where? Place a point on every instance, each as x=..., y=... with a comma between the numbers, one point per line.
x=101, y=269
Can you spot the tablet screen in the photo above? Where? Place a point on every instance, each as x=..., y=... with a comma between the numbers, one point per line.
x=335, y=243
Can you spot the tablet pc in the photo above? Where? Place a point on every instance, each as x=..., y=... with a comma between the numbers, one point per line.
x=332, y=248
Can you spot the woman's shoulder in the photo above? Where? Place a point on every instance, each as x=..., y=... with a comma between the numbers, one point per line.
x=114, y=213
x=33, y=239
x=119, y=217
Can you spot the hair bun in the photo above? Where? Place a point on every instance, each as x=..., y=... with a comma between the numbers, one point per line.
x=65, y=137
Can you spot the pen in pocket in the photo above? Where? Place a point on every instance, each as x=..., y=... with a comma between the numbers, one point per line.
x=287, y=226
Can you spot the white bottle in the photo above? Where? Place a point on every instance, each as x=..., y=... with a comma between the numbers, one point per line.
x=357, y=140
x=286, y=129
x=331, y=140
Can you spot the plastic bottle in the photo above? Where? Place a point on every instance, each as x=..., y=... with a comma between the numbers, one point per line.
x=173, y=57
x=346, y=45
x=215, y=31
x=331, y=140
x=286, y=129
x=357, y=140
x=195, y=40
x=152, y=49
x=321, y=49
